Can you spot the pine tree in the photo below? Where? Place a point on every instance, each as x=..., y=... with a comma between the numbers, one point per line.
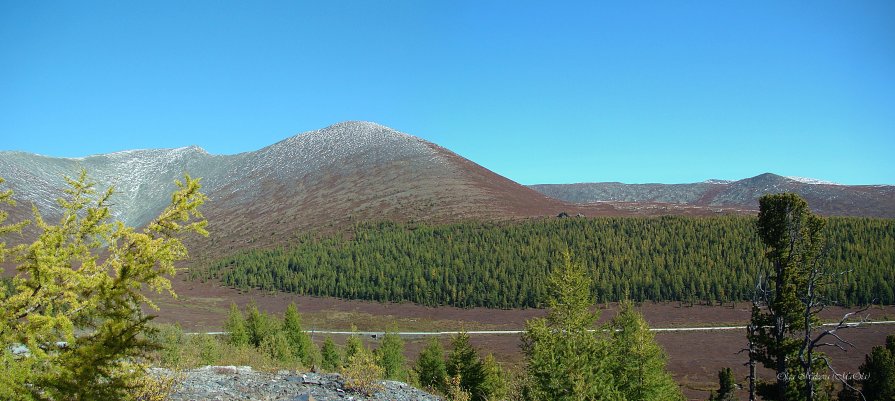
x=792, y=236
x=331, y=361
x=567, y=361
x=430, y=367
x=464, y=362
x=638, y=362
x=78, y=297
x=299, y=340
x=726, y=386
x=390, y=357
x=878, y=372
x=235, y=326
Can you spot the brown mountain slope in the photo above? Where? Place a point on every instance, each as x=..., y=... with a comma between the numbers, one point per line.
x=323, y=180
x=824, y=198
x=351, y=172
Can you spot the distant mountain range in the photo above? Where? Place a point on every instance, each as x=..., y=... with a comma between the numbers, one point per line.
x=359, y=171
x=824, y=197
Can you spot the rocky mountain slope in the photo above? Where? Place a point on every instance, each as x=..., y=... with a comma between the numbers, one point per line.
x=824, y=197
x=319, y=180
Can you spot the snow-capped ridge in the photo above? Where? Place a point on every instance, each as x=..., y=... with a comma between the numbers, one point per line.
x=813, y=181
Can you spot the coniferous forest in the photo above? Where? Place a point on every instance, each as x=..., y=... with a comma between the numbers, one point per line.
x=505, y=264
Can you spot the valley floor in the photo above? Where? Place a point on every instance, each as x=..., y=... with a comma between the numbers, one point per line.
x=694, y=356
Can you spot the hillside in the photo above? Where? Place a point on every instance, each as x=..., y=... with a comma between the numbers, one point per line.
x=825, y=198
x=322, y=180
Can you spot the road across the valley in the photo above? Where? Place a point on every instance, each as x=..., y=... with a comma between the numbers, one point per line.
x=376, y=334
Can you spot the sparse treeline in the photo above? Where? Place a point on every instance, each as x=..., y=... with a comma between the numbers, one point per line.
x=505, y=265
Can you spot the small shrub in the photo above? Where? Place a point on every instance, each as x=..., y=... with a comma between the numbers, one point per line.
x=246, y=355
x=455, y=391
x=156, y=388
x=206, y=347
x=362, y=373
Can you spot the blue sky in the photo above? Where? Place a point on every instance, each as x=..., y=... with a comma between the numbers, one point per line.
x=541, y=92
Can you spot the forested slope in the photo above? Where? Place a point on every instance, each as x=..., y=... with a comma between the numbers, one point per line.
x=504, y=265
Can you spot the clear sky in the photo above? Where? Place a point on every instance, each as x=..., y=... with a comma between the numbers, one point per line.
x=541, y=92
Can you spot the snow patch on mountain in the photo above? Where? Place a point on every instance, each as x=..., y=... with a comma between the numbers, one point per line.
x=813, y=181
x=144, y=178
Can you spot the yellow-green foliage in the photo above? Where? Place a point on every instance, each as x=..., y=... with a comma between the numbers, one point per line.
x=455, y=392
x=155, y=388
x=78, y=293
x=178, y=350
x=362, y=373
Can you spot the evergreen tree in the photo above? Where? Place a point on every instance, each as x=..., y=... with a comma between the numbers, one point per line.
x=494, y=385
x=792, y=236
x=726, y=386
x=259, y=325
x=638, y=362
x=390, y=357
x=77, y=303
x=276, y=345
x=353, y=346
x=567, y=361
x=430, y=367
x=464, y=362
x=849, y=392
x=235, y=326
x=299, y=340
x=878, y=372
x=331, y=361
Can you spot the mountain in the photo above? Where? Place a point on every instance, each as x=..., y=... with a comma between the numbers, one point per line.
x=824, y=197
x=319, y=180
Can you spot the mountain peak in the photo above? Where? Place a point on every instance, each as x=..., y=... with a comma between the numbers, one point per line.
x=357, y=125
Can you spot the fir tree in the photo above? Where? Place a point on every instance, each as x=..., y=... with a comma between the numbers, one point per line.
x=353, y=346
x=494, y=385
x=331, y=360
x=259, y=325
x=726, y=386
x=464, y=362
x=390, y=357
x=638, y=362
x=567, y=361
x=300, y=342
x=878, y=372
x=276, y=345
x=430, y=367
x=235, y=326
